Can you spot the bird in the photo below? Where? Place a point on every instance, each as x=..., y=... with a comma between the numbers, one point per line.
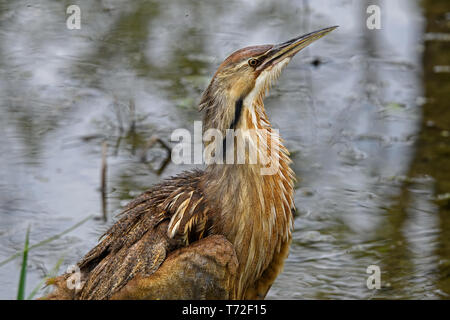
x=219, y=233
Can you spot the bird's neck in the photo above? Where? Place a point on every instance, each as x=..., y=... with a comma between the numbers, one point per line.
x=254, y=199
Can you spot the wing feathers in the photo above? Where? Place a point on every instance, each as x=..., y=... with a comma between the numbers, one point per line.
x=166, y=217
x=190, y=217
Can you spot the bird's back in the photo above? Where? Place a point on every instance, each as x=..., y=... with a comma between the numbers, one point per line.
x=165, y=218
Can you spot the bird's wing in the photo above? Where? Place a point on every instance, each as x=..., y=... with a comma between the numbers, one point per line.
x=166, y=217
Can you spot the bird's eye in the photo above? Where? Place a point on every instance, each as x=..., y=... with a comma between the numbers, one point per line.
x=253, y=62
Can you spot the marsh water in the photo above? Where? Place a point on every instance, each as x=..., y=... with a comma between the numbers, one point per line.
x=365, y=114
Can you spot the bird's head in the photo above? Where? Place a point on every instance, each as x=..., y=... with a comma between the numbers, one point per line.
x=242, y=80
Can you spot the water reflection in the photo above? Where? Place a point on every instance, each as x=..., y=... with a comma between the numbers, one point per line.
x=363, y=113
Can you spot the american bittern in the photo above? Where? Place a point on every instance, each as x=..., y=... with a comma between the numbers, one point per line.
x=221, y=233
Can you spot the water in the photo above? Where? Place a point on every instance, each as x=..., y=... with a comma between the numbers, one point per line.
x=363, y=112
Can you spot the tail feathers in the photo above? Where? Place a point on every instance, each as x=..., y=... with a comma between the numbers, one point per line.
x=61, y=290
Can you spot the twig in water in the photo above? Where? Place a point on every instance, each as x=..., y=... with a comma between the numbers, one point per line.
x=151, y=142
x=132, y=128
x=103, y=179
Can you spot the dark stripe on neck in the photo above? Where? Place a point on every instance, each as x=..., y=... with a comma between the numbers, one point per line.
x=238, y=106
x=237, y=113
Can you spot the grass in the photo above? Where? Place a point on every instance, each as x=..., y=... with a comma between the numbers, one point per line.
x=56, y=236
x=24, y=265
x=51, y=274
x=23, y=270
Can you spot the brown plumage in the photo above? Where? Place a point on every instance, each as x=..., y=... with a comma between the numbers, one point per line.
x=221, y=233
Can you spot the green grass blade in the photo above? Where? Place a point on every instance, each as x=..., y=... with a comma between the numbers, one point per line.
x=56, y=236
x=23, y=270
x=51, y=274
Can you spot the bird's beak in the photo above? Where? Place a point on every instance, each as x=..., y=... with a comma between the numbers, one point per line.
x=289, y=48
